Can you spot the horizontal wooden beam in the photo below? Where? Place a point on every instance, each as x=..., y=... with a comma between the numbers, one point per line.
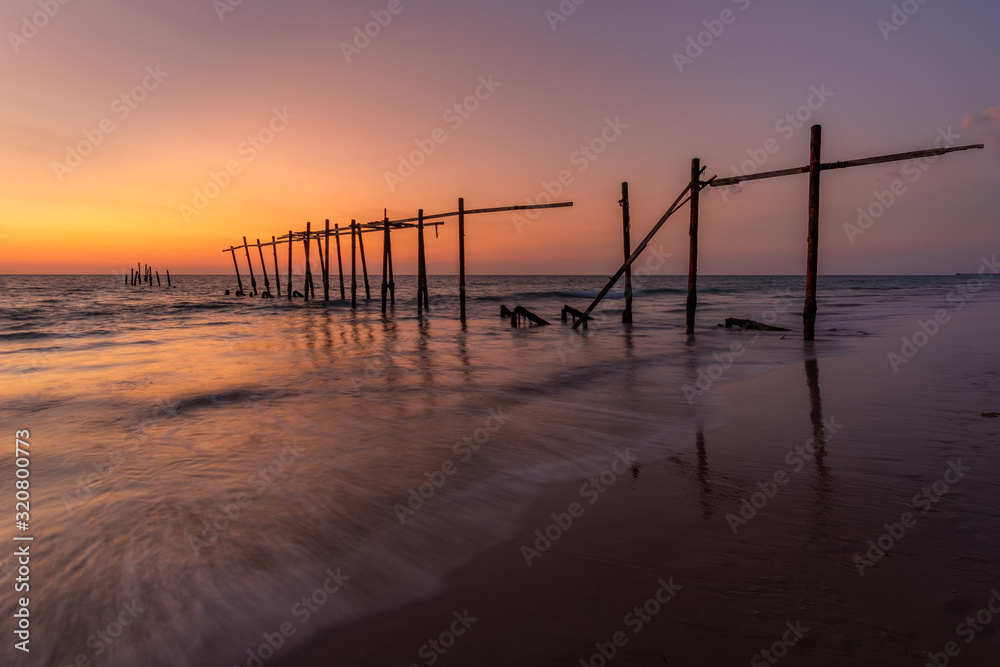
x=452, y=214
x=826, y=166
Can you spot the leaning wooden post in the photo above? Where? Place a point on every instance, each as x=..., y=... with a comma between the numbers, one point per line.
x=692, y=296
x=421, y=265
x=291, y=285
x=308, y=272
x=263, y=268
x=253, y=280
x=340, y=260
x=354, y=264
x=815, y=168
x=326, y=264
x=461, y=259
x=322, y=264
x=385, y=262
x=168, y=278
x=364, y=264
x=239, y=281
x=157, y=278
x=277, y=275
x=626, y=225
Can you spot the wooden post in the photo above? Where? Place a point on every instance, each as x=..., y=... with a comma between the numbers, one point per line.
x=364, y=264
x=291, y=285
x=392, y=278
x=131, y=277
x=253, y=280
x=322, y=264
x=326, y=264
x=626, y=229
x=239, y=281
x=809, y=311
x=277, y=275
x=421, y=265
x=461, y=259
x=308, y=282
x=385, y=262
x=157, y=278
x=692, y=295
x=354, y=264
x=340, y=260
x=263, y=268
x=138, y=273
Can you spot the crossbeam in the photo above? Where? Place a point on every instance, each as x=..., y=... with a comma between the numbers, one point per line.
x=826, y=166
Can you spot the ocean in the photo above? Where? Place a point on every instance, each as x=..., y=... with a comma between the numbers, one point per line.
x=203, y=466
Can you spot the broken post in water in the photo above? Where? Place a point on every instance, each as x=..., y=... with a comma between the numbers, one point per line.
x=263, y=269
x=239, y=281
x=422, y=299
x=291, y=285
x=308, y=277
x=326, y=264
x=277, y=276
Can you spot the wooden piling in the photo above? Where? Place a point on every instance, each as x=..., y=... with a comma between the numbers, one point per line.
x=253, y=280
x=131, y=277
x=157, y=278
x=421, y=266
x=626, y=229
x=815, y=169
x=168, y=278
x=308, y=280
x=354, y=264
x=322, y=263
x=291, y=285
x=277, y=275
x=392, y=278
x=364, y=264
x=239, y=281
x=385, y=263
x=692, y=293
x=340, y=260
x=263, y=268
x=461, y=259
x=326, y=264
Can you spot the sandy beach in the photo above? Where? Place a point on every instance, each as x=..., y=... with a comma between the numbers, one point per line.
x=788, y=584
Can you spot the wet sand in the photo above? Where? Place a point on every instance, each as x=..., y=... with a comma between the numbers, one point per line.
x=787, y=582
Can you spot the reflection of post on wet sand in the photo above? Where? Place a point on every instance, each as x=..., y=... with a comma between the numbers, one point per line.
x=824, y=481
x=704, y=485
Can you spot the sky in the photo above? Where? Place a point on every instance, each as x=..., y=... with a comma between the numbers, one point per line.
x=163, y=133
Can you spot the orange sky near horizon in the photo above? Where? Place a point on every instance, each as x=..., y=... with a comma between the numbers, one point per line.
x=137, y=132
